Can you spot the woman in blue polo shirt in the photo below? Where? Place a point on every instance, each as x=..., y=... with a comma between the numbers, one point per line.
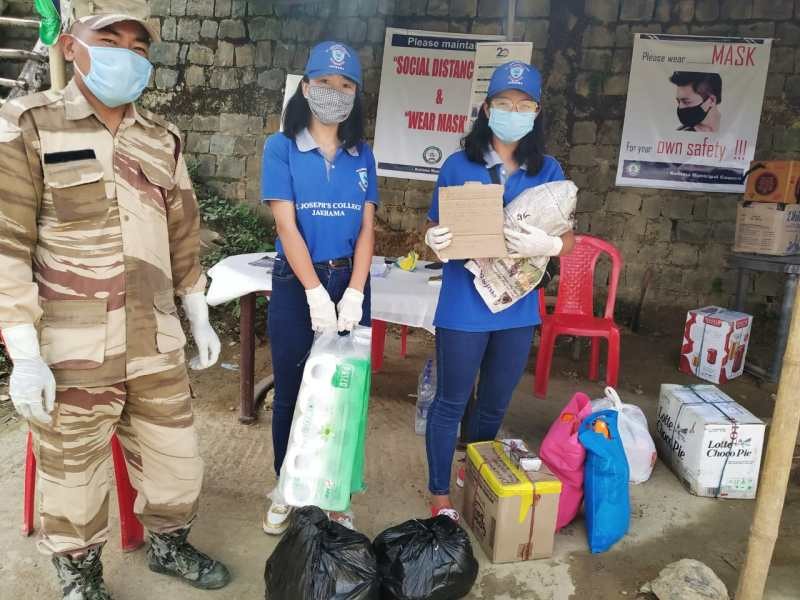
x=505, y=145
x=319, y=178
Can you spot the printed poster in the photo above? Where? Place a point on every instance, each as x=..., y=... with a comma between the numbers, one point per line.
x=694, y=105
x=292, y=81
x=488, y=56
x=424, y=100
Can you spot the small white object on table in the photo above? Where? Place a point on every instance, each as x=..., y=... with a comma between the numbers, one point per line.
x=401, y=297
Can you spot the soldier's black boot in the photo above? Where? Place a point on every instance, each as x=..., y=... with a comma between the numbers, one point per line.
x=81, y=578
x=171, y=554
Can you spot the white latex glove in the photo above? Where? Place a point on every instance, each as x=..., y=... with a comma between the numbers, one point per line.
x=32, y=386
x=323, y=310
x=350, y=309
x=531, y=242
x=438, y=238
x=205, y=337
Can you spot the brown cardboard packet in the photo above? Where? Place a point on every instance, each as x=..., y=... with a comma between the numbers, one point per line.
x=512, y=513
x=474, y=214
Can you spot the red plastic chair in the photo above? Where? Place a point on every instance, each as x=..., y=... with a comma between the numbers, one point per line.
x=574, y=311
x=131, y=530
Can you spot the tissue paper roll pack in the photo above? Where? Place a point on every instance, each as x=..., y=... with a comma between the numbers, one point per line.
x=325, y=459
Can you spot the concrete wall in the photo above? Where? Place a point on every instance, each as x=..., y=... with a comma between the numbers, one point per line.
x=221, y=67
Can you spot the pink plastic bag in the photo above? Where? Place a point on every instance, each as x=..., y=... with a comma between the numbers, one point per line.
x=564, y=456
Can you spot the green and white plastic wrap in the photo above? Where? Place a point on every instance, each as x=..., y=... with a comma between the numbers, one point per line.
x=325, y=459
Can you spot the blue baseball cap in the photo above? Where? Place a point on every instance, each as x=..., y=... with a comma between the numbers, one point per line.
x=516, y=75
x=333, y=58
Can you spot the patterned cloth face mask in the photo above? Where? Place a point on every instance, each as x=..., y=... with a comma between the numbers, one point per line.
x=328, y=104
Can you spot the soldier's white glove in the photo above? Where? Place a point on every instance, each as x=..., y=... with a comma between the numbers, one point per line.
x=531, y=242
x=32, y=386
x=205, y=337
x=438, y=238
x=350, y=309
x=323, y=310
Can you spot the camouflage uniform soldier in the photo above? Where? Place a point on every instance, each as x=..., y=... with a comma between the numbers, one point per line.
x=98, y=233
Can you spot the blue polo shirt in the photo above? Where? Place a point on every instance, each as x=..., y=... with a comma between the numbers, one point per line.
x=460, y=306
x=329, y=197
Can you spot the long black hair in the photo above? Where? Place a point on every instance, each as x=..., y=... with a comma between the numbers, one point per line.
x=529, y=151
x=297, y=116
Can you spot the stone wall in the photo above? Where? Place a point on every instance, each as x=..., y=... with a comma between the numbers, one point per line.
x=21, y=38
x=221, y=67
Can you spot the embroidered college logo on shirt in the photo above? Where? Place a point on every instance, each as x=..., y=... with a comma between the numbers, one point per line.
x=363, y=179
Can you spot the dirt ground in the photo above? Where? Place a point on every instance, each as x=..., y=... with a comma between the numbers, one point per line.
x=667, y=524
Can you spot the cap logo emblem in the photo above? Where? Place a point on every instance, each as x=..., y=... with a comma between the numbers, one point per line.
x=515, y=74
x=339, y=54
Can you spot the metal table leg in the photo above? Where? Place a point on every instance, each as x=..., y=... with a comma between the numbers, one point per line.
x=247, y=342
x=789, y=289
x=741, y=288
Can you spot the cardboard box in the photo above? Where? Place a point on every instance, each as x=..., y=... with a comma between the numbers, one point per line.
x=773, y=181
x=767, y=228
x=712, y=443
x=500, y=501
x=715, y=343
x=474, y=214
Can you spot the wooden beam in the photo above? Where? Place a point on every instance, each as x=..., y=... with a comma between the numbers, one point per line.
x=12, y=83
x=13, y=54
x=14, y=22
x=775, y=474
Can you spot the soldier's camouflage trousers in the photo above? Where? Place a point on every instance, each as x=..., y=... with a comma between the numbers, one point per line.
x=152, y=416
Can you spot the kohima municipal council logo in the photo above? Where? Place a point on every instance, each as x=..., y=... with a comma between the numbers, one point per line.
x=432, y=155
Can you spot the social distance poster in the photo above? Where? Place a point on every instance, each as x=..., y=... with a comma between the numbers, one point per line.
x=691, y=119
x=424, y=98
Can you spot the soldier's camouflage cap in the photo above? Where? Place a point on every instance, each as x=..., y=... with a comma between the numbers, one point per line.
x=98, y=14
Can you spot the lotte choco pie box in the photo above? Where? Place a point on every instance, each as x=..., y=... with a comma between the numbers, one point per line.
x=711, y=443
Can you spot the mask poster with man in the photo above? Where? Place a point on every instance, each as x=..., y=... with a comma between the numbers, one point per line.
x=678, y=133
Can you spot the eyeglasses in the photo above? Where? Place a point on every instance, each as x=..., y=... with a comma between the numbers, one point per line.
x=522, y=106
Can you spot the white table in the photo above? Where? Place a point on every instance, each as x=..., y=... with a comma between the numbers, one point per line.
x=400, y=297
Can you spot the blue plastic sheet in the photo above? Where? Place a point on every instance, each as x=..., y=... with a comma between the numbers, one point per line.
x=607, y=502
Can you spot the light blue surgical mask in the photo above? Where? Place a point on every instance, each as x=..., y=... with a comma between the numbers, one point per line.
x=510, y=126
x=117, y=76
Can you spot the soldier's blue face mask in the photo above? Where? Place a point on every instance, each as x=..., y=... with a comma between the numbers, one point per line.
x=116, y=76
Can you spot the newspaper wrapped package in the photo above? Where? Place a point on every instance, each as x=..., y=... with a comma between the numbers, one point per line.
x=503, y=281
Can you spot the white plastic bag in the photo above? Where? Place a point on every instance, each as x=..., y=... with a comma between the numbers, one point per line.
x=640, y=450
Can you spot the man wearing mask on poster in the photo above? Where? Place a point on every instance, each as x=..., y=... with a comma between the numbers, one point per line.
x=99, y=231
x=698, y=96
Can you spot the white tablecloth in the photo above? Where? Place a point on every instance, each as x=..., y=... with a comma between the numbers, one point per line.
x=400, y=297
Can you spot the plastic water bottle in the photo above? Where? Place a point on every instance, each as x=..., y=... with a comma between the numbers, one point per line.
x=426, y=390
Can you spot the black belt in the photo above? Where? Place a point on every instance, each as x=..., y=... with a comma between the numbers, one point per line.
x=336, y=263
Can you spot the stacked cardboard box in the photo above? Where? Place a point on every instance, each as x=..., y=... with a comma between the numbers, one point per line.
x=768, y=221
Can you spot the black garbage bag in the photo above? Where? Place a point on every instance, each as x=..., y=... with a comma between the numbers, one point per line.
x=318, y=559
x=428, y=559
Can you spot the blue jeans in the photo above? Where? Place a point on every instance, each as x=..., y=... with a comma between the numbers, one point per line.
x=291, y=337
x=500, y=357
